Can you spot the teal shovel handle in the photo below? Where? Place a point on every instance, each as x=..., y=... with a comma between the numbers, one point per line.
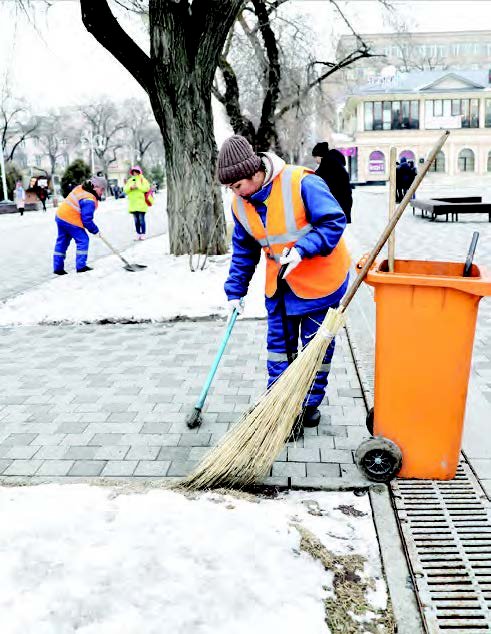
x=204, y=392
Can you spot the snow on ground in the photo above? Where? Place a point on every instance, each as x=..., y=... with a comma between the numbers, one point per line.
x=166, y=289
x=92, y=560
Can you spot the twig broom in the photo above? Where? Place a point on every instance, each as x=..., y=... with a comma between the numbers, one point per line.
x=247, y=452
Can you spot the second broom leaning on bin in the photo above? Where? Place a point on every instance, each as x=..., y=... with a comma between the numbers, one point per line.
x=247, y=452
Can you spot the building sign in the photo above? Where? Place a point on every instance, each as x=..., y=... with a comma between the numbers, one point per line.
x=348, y=151
x=443, y=123
x=376, y=162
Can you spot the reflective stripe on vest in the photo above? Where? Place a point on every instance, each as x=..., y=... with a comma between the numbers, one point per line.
x=69, y=208
x=286, y=223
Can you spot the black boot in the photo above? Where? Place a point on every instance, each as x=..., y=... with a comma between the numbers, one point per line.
x=311, y=416
x=62, y=272
x=84, y=269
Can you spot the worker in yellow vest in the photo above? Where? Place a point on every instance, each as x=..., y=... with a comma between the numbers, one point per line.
x=74, y=217
x=289, y=213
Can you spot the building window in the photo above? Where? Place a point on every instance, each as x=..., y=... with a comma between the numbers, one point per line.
x=408, y=155
x=487, y=116
x=368, y=115
x=376, y=162
x=466, y=160
x=438, y=111
x=391, y=115
x=489, y=161
x=438, y=164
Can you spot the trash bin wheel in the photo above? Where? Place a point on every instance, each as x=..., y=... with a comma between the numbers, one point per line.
x=369, y=421
x=379, y=459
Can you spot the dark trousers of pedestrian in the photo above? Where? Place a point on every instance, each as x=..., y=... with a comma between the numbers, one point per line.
x=67, y=233
x=139, y=218
x=303, y=327
x=21, y=210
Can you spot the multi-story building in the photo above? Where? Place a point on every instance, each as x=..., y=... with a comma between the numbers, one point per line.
x=470, y=50
x=405, y=110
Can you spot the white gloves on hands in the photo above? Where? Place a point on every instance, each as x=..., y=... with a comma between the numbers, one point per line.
x=291, y=257
x=236, y=304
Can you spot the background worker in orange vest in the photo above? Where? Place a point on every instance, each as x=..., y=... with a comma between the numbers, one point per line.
x=289, y=213
x=74, y=216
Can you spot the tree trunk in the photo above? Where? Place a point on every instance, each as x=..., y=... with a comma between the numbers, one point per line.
x=194, y=204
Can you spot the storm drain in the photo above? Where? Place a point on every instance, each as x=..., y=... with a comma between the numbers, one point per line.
x=447, y=530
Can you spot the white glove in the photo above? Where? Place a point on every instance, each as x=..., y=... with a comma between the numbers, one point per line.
x=236, y=304
x=291, y=257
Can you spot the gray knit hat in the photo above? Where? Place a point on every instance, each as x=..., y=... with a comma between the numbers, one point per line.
x=237, y=160
x=98, y=181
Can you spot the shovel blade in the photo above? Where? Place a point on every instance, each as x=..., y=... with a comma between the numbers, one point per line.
x=135, y=267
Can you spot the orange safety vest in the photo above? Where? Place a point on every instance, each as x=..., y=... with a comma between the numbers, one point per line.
x=286, y=222
x=69, y=208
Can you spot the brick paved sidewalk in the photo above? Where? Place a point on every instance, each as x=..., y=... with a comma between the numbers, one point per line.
x=111, y=401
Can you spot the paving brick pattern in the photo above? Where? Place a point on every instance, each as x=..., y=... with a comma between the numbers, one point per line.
x=111, y=401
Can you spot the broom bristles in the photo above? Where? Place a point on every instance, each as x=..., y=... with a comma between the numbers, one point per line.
x=248, y=450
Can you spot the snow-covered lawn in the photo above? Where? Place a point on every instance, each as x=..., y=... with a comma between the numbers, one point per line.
x=108, y=560
x=166, y=289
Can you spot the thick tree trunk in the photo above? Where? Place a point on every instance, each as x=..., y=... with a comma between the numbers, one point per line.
x=194, y=204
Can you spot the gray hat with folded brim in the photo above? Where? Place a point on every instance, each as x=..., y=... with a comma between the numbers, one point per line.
x=98, y=181
x=237, y=160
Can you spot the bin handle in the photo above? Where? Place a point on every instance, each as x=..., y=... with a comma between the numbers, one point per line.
x=470, y=254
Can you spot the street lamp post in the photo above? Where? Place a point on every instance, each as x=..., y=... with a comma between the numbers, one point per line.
x=91, y=141
x=4, y=179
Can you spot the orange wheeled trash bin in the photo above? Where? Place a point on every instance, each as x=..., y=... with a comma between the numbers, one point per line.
x=425, y=322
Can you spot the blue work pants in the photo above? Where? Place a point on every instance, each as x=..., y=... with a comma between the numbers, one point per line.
x=303, y=327
x=67, y=232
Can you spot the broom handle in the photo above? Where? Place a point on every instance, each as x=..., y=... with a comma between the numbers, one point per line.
x=391, y=242
x=392, y=223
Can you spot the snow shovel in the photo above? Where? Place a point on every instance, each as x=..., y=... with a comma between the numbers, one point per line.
x=195, y=419
x=127, y=265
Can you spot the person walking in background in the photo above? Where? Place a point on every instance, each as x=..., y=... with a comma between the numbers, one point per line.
x=74, y=217
x=405, y=174
x=20, y=197
x=333, y=172
x=42, y=194
x=135, y=189
x=290, y=214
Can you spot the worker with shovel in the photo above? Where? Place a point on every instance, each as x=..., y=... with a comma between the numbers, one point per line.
x=74, y=217
x=290, y=214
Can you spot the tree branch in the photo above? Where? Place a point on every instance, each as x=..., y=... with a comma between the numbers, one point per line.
x=334, y=67
x=101, y=23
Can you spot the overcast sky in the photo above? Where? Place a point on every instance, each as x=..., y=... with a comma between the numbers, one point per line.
x=54, y=61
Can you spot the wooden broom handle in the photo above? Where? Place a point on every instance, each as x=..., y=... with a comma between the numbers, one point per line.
x=391, y=242
x=392, y=222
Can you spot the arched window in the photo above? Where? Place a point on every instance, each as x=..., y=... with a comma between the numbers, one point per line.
x=466, y=160
x=408, y=155
x=489, y=161
x=376, y=162
x=438, y=164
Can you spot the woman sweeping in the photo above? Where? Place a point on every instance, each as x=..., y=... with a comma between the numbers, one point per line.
x=135, y=189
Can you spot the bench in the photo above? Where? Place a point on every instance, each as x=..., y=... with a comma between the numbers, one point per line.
x=452, y=207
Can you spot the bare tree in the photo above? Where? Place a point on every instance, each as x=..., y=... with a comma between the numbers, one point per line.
x=142, y=129
x=281, y=91
x=17, y=124
x=107, y=125
x=53, y=136
x=186, y=37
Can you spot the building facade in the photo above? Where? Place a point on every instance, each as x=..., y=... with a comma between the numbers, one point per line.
x=406, y=110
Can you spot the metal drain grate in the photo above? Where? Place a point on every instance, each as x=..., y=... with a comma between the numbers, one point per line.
x=447, y=530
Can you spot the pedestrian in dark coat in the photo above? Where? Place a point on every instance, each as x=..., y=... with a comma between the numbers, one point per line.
x=405, y=175
x=332, y=170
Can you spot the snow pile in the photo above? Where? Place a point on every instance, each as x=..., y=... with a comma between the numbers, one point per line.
x=167, y=289
x=92, y=560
